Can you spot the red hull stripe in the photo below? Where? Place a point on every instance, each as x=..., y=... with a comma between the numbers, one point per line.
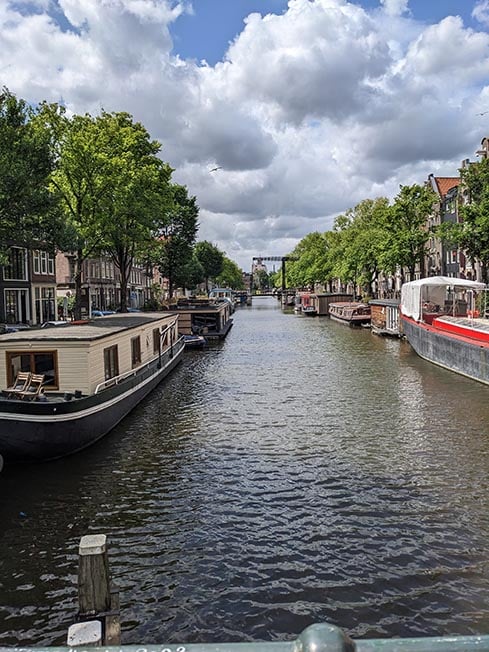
x=454, y=331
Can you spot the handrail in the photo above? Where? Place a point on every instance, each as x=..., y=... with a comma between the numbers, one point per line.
x=320, y=637
x=115, y=380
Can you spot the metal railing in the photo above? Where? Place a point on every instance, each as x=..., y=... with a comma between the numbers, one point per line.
x=316, y=638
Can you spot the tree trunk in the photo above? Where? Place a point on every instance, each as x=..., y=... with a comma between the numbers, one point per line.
x=124, y=283
x=78, y=285
x=170, y=284
x=484, y=272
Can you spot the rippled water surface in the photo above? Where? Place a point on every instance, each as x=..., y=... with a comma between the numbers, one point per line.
x=299, y=472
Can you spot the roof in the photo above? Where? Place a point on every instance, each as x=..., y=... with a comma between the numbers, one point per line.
x=447, y=281
x=437, y=286
x=92, y=330
x=444, y=184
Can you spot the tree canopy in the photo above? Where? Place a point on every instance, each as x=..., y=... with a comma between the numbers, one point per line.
x=472, y=234
x=211, y=259
x=28, y=210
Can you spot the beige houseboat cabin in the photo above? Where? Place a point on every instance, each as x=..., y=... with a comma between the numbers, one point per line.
x=85, y=356
x=65, y=387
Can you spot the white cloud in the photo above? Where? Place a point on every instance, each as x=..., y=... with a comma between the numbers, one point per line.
x=395, y=7
x=481, y=12
x=308, y=113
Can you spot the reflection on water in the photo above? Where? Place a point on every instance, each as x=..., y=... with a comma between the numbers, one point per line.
x=299, y=472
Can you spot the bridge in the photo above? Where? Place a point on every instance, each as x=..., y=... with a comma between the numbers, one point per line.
x=281, y=259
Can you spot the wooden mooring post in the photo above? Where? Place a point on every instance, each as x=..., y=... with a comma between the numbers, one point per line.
x=98, y=601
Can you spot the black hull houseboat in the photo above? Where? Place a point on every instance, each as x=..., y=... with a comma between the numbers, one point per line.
x=64, y=388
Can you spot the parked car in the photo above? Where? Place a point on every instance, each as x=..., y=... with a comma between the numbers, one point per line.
x=102, y=313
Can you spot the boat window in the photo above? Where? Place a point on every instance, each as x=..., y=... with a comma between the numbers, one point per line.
x=136, y=351
x=111, y=362
x=37, y=362
x=156, y=340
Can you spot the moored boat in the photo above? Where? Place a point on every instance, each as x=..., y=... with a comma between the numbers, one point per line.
x=92, y=375
x=194, y=341
x=352, y=313
x=441, y=320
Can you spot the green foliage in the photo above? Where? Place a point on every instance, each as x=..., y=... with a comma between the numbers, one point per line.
x=473, y=232
x=177, y=236
x=406, y=235
x=211, y=259
x=28, y=210
x=231, y=275
x=193, y=273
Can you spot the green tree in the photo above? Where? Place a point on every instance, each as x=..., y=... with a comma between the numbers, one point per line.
x=135, y=210
x=231, y=275
x=28, y=210
x=472, y=233
x=177, y=237
x=360, y=242
x=82, y=179
x=193, y=273
x=312, y=264
x=211, y=259
x=405, y=232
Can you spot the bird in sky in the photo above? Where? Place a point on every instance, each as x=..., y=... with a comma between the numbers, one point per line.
x=214, y=169
x=483, y=113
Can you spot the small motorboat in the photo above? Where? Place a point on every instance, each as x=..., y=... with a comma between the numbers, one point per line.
x=194, y=341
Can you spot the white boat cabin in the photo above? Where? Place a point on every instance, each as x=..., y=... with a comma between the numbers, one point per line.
x=86, y=357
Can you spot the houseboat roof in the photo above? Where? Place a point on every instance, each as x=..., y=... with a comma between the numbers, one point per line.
x=90, y=330
x=384, y=302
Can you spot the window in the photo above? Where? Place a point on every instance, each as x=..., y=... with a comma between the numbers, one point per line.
x=156, y=340
x=16, y=306
x=37, y=362
x=136, y=351
x=44, y=304
x=16, y=269
x=43, y=262
x=111, y=362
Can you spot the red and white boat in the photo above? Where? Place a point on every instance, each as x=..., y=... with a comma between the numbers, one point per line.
x=441, y=318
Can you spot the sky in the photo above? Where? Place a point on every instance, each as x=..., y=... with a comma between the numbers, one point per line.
x=306, y=107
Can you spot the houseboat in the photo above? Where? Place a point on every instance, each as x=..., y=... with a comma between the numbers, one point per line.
x=65, y=388
x=443, y=319
x=352, y=313
x=222, y=295
x=321, y=301
x=209, y=318
x=385, y=317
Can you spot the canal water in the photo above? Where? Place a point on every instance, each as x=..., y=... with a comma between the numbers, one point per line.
x=299, y=472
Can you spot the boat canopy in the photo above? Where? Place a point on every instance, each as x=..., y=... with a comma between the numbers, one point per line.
x=433, y=289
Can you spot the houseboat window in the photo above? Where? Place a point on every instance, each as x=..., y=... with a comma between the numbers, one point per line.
x=136, y=351
x=156, y=340
x=37, y=362
x=111, y=362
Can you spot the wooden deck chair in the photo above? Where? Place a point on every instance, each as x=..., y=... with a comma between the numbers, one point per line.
x=20, y=384
x=33, y=389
